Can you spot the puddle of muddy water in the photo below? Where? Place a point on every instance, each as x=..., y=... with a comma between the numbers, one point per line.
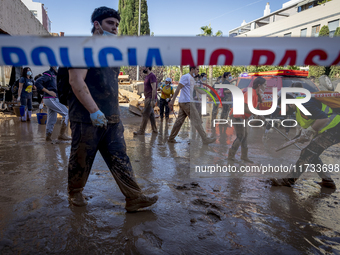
x=217, y=215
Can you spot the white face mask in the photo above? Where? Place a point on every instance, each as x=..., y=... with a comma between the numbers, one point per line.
x=204, y=79
x=106, y=33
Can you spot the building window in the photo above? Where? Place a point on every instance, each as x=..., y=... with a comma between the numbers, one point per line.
x=287, y=35
x=303, y=32
x=315, y=31
x=35, y=13
x=307, y=6
x=332, y=27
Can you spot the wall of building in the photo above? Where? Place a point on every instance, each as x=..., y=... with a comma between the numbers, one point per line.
x=34, y=6
x=291, y=11
x=16, y=19
x=46, y=21
x=321, y=14
x=290, y=3
x=41, y=13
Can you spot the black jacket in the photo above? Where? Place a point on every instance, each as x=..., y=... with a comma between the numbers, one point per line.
x=48, y=81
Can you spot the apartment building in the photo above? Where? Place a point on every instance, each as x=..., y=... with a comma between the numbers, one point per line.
x=40, y=12
x=297, y=18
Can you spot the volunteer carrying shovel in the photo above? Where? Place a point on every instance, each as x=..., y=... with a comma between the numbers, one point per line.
x=167, y=93
x=322, y=130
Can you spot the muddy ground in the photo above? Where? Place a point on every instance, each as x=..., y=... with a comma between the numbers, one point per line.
x=193, y=215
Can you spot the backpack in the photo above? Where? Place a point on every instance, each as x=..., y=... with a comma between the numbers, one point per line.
x=332, y=101
x=220, y=92
x=15, y=88
x=63, y=85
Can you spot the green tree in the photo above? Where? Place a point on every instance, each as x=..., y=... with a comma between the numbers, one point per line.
x=144, y=19
x=324, y=31
x=335, y=70
x=129, y=12
x=208, y=31
x=323, y=2
x=317, y=71
x=337, y=31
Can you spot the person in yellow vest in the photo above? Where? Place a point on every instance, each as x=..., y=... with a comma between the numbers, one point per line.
x=167, y=92
x=322, y=130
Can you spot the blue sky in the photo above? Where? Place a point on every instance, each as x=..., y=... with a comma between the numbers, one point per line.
x=166, y=18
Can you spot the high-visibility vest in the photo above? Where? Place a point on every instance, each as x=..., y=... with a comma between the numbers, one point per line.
x=305, y=122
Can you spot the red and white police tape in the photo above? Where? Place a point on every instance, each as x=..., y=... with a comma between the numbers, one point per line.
x=100, y=51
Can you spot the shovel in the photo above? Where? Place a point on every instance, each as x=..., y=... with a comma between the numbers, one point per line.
x=290, y=141
x=287, y=144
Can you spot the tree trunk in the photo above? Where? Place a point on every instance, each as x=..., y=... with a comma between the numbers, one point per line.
x=210, y=75
x=180, y=71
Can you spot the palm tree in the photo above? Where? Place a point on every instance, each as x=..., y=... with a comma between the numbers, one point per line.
x=208, y=31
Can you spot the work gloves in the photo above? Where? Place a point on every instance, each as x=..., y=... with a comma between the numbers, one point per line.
x=307, y=135
x=98, y=119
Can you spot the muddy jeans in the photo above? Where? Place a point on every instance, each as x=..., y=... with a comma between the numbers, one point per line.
x=86, y=141
x=164, y=104
x=187, y=110
x=225, y=111
x=224, y=114
x=148, y=113
x=241, y=134
x=54, y=107
x=214, y=111
x=26, y=100
x=310, y=154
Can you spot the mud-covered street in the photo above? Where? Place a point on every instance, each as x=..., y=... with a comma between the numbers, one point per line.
x=216, y=215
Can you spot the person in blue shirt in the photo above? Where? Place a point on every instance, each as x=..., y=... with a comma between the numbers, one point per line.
x=26, y=84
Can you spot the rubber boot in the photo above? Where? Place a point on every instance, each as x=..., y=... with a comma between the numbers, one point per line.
x=29, y=115
x=244, y=155
x=48, y=137
x=327, y=183
x=139, y=132
x=288, y=182
x=153, y=125
x=209, y=140
x=23, y=118
x=231, y=154
x=143, y=201
x=62, y=135
x=77, y=199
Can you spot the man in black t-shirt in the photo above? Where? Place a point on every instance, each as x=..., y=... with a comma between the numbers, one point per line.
x=96, y=125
